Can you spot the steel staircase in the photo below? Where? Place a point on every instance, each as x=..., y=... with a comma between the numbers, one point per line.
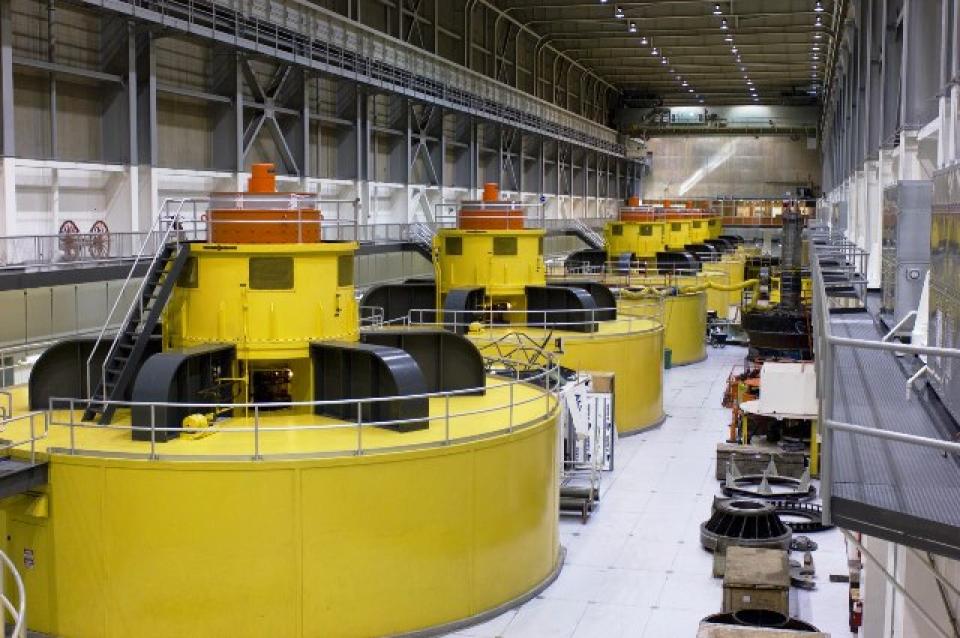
x=588, y=234
x=128, y=347
x=421, y=235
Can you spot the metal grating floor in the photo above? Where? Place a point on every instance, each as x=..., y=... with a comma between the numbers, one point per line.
x=900, y=492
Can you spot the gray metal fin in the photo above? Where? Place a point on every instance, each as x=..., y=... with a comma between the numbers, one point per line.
x=805, y=480
x=771, y=468
x=764, y=486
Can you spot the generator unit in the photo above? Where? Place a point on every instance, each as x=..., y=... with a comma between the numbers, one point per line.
x=906, y=247
x=944, y=326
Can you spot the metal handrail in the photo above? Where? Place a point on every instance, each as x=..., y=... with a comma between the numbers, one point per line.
x=138, y=300
x=825, y=345
x=545, y=374
x=18, y=612
x=31, y=418
x=525, y=318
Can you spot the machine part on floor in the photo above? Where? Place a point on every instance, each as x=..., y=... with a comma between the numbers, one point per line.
x=802, y=543
x=799, y=580
x=793, y=510
x=784, y=330
x=744, y=523
x=808, y=568
x=758, y=619
x=756, y=457
x=768, y=485
x=756, y=578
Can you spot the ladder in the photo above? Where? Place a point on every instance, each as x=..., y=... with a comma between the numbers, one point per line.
x=130, y=344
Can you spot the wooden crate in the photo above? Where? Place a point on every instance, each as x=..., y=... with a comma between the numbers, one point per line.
x=756, y=579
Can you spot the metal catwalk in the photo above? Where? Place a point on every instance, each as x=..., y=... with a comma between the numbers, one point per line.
x=897, y=491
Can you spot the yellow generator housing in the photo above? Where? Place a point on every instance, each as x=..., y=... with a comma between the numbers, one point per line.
x=503, y=261
x=643, y=239
x=678, y=233
x=271, y=300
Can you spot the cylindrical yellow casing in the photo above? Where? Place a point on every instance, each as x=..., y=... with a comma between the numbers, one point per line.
x=371, y=545
x=684, y=321
x=732, y=268
x=629, y=347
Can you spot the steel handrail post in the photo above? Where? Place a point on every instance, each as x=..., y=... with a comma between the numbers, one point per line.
x=446, y=408
x=360, y=428
x=256, y=433
x=153, y=432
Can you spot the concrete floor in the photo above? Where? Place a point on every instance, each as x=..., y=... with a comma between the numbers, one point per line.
x=637, y=568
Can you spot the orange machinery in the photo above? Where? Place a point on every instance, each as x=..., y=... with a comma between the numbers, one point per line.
x=262, y=215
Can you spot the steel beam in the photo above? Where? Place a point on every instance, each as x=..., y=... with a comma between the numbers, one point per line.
x=7, y=124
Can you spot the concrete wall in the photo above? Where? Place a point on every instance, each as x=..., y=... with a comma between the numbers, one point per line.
x=726, y=165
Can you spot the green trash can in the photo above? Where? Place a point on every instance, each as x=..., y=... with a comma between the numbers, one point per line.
x=667, y=358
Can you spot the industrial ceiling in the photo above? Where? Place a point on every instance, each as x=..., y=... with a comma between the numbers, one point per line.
x=678, y=52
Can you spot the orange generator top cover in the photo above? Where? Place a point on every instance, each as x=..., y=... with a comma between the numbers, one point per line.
x=262, y=215
x=490, y=213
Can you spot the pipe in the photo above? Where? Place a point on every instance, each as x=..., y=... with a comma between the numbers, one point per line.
x=752, y=284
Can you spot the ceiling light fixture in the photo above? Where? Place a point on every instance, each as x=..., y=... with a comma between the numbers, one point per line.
x=723, y=24
x=716, y=10
x=818, y=22
x=618, y=12
x=728, y=38
x=654, y=51
x=690, y=90
x=643, y=40
x=663, y=60
x=734, y=50
x=633, y=27
x=818, y=7
x=684, y=83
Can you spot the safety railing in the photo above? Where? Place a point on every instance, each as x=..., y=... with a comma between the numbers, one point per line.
x=18, y=611
x=165, y=228
x=37, y=428
x=340, y=223
x=511, y=389
x=532, y=215
x=826, y=345
x=624, y=271
x=512, y=319
x=39, y=252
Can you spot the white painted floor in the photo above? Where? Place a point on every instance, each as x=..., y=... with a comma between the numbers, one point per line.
x=637, y=568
